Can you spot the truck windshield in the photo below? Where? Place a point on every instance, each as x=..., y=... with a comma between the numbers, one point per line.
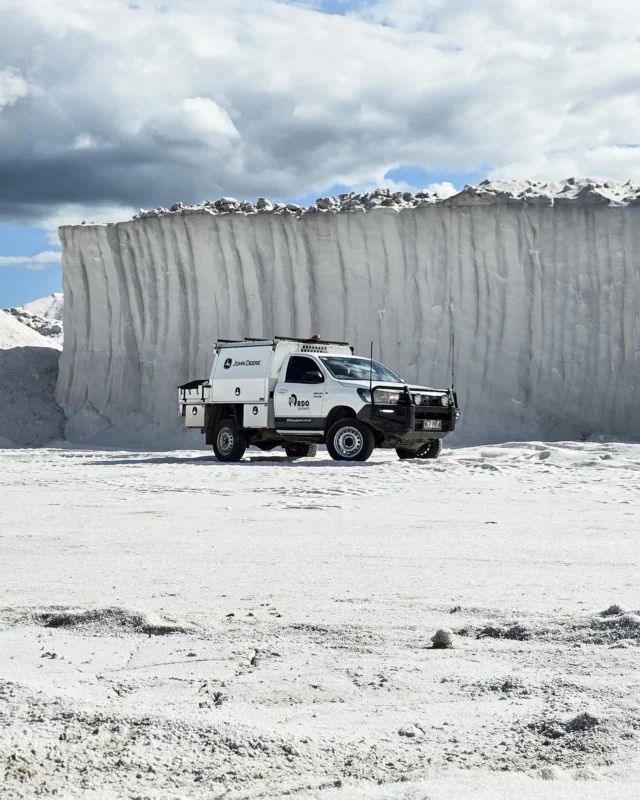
x=358, y=369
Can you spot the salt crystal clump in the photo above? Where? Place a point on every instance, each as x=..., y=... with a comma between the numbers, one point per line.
x=587, y=773
x=551, y=774
x=614, y=610
x=582, y=722
x=443, y=639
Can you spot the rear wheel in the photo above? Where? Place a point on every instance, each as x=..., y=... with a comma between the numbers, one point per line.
x=229, y=442
x=350, y=440
x=300, y=450
x=428, y=450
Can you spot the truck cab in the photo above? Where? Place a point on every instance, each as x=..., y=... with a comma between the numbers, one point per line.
x=298, y=393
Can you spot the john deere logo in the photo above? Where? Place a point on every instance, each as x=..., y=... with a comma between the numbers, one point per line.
x=230, y=363
x=293, y=400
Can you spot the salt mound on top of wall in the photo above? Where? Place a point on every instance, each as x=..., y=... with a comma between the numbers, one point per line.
x=574, y=191
x=540, y=282
x=29, y=414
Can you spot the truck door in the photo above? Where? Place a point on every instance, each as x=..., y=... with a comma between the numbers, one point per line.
x=297, y=398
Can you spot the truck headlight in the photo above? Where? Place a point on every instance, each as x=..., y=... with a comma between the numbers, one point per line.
x=386, y=397
x=365, y=395
x=417, y=399
x=445, y=399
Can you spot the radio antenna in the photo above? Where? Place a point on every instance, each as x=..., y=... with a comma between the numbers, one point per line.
x=371, y=372
x=453, y=361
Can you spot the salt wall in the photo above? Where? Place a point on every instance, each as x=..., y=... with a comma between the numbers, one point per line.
x=541, y=285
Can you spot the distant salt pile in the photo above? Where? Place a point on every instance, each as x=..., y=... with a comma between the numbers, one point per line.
x=29, y=415
x=50, y=307
x=47, y=327
x=44, y=316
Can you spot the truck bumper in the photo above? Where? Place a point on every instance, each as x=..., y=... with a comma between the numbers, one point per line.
x=406, y=425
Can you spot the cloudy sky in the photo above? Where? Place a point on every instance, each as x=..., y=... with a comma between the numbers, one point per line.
x=108, y=106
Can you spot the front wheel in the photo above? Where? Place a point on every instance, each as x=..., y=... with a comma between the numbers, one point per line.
x=229, y=442
x=428, y=450
x=350, y=440
x=300, y=450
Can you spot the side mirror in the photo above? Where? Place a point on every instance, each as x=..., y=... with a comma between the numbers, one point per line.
x=314, y=376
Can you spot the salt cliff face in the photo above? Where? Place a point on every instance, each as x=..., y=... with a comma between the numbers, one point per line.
x=540, y=282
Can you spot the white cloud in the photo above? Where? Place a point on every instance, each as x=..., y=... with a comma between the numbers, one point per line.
x=144, y=104
x=444, y=189
x=38, y=262
x=74, y=214
x=605, y=163
x=12, y=87
x=84, y=141
x=195, y=120
x=206, y=117
x=51, y=237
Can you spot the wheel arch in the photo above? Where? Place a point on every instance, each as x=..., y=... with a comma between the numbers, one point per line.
x=336, y=413
x=216, y=412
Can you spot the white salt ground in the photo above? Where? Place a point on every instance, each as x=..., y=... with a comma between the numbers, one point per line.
x=173, y=627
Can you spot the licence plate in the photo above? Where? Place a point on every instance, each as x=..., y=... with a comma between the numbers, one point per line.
x=432, y=425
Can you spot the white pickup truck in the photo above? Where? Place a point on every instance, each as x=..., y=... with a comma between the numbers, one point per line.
x=298, y=393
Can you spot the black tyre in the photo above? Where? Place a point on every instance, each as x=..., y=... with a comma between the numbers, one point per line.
x=428, y=450
x=300, y=450
x=350, y=440
x=229, y=442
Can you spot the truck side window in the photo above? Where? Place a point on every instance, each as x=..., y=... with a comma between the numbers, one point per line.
x=298, y=365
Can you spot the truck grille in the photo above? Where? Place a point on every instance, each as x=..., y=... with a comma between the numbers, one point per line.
x=429, y=401
x=424, y=412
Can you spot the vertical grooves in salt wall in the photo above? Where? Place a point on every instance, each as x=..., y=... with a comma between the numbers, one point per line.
x=545, y=301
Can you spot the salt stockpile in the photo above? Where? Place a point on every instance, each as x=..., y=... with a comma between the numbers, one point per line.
x=44, y=316
x=50, y=307
x=541, y=283
x=29, y=415
x=45, y=326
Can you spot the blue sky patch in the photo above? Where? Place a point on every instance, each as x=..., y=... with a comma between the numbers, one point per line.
x=421, y=178
x=19, y=285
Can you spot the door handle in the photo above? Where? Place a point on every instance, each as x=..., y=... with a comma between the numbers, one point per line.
x=283, y=391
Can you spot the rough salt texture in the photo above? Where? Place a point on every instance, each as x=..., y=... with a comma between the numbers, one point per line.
x=541, y=283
